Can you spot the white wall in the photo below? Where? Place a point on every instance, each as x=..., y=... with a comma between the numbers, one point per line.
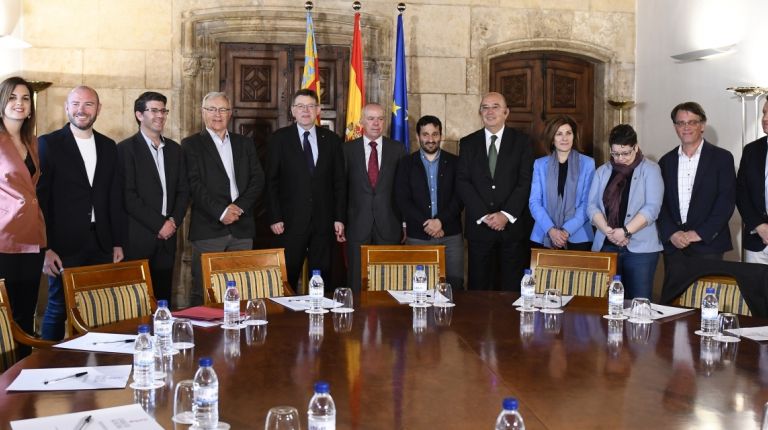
x=10, y=59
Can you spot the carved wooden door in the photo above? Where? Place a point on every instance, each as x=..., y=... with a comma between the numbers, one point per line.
x=540, y=85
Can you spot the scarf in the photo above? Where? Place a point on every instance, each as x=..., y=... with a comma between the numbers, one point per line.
x=615, y=189
x=561, y=208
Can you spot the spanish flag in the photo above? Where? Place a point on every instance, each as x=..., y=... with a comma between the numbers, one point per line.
x=356, y=93
x=311, y=77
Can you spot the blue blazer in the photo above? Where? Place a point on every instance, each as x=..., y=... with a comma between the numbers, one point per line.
x=645, y=195
x=579, y=227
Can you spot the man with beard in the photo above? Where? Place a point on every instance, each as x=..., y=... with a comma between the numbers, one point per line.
x=427, y=198
x=81, y=200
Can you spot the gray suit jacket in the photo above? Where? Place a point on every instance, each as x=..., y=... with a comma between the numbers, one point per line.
x=368, y=208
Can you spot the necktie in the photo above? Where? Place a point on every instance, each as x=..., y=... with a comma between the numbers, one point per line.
x=492, y=155
x=308, y=154
x=373, y=165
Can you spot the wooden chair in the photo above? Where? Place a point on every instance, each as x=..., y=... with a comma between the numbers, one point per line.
x=107, y=293
x=579, y=273
x=727, y=290
x=11, y=335
x=390, y=267
x=258, y=273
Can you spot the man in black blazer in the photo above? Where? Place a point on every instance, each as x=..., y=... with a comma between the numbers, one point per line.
x=494, y=182
x=750, y=197
x=81, y=200
x=699, y=190
x=426, y=196
x=306, y=189
x=225, y=180
x=372, y=215
x=156, y=192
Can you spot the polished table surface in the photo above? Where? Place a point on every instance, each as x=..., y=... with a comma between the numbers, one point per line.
x=389, y=371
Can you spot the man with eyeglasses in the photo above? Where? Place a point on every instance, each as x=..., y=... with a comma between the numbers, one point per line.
x=225, y=180
x=305, y=189
x=494, y=182
x=154, y=180
x=699, y=191
x=81, y=200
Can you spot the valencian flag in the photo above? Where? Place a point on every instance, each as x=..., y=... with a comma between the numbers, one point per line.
x=356, y=93
x=399, y=130
x=311, y=77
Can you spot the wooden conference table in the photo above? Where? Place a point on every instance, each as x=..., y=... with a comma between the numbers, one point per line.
x=573, y=370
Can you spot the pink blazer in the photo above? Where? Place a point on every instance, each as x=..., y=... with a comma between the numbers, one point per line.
x=22, y=227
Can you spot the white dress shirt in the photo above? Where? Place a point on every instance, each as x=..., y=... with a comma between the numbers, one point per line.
x=157, y=155
x=367, y=147
x=497, y=144
x=686, y=174
x=87, y=149
x=224, y=147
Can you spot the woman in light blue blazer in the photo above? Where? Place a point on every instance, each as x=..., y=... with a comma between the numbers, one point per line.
x=624, y=202
x=560, y=188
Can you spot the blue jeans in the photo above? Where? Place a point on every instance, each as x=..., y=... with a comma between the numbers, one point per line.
x=637, y=270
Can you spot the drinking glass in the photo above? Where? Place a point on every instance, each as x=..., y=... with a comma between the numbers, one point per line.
x=728, y=327
x=282, y=418
x=182, y=334
x=256, y=312
x=553, y=301
x=182, y=402
x=342, y=298
x=443, y=295
x=641, y=311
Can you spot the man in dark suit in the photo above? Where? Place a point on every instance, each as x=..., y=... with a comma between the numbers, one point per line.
x=426, y=196
x=751, y=197
x=372, y=215
x=306, y=189
x=156, y=192
x=494, y=182
x=81, y=200
x=699, y=191
x=225, y=179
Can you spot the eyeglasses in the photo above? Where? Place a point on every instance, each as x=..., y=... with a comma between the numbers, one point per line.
x=691, y=123
x=303, y=106
x=213, y=110
x=485, y=108
x=156, y=111
x=616, y=154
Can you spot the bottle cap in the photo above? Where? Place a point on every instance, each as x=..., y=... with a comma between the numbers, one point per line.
x=162, y=303
x=315, y=272
x=322, y=387
x=144, y=328
x=206, y=362
x=509, y=404
x=419, y=267
x=527, y=271
x=617, y=277
x=710, y=290
x=230, y=284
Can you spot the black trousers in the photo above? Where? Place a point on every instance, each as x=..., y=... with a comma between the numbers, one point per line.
x=22, y=274
x=497, y=264
x=316, y=246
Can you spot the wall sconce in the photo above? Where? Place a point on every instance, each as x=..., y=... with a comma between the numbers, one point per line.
x=702, y=54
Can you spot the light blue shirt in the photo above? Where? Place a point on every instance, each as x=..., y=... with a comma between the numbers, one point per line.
x=312, y=141
x=431, y=168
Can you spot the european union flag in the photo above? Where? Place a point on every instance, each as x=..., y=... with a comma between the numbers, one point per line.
x=399, y=126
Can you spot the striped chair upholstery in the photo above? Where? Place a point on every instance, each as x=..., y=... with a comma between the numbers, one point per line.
x=572, y=282
x=398, y=276
x=7, y=343
x=726, y=289
x=104, y=306
x=251, y=284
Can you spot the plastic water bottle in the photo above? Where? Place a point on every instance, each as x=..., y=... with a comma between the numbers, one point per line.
x=322, y=411
x=163, y=322
x=316, y=289
x=616, y=297
x=143, y=359
x=509, y=418
x=231, y=306
x=420, y=285
x=206, y=394
x=528, y=289
x=709, y=313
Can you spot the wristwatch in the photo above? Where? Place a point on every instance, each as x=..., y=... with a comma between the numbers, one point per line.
x=627, y=234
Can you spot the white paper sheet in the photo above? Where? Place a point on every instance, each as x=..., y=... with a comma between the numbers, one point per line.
x=759, y=334
x=301, y=303
x=538, y=301
x=97, y=378
x=101, y=342
x=408, y=296
x=129, y=417
x=660, y=311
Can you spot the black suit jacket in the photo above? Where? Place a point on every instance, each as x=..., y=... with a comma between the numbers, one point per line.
x=750, y=192
x=507, y=191
x=368, y=207
x=414, y=201
x=209, y=185
x=66, y=196
x=713, y=199
x=294, y=196
x=144, y=194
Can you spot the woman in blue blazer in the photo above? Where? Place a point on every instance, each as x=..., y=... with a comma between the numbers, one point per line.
x=624, y=202
x=560, y=188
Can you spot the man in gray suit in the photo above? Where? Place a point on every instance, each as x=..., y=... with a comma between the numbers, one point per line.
x=372, y=216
